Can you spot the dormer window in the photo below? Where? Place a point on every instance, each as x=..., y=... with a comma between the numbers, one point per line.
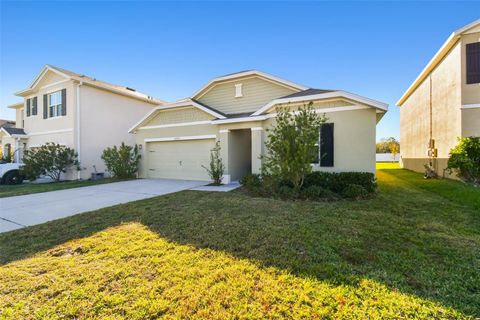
x=238, y=90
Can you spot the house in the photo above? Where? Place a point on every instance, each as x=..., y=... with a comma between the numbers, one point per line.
x=6, y=123
x=77, y=111
x=443, y=103
x=237, y=110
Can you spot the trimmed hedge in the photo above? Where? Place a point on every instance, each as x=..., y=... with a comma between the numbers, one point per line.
x=317, y=186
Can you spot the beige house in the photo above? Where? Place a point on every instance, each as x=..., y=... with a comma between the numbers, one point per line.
x=77, y=111
x=237, y=109
x=443, y=103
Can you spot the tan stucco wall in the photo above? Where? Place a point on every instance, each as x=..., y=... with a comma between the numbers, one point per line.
x=471, y=122
x=256, y=93
x=19, y=118
x=104, y=122
x=470, y=92
x=446, y=115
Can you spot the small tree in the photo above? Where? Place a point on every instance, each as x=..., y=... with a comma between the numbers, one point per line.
x=216, y=168
x=122, y=162
x=465, y=159
x=50, y=160
x=291, y=144
x=394, y=147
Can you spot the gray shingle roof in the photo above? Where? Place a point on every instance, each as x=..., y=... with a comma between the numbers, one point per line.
x=307, y=92
x=14, y=130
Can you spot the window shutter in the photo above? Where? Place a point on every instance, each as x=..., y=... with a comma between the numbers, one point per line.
x=34, y=106
x=473, y=62
x=64, y=102
x=326, y=145
x=45, y=106
x=28, y=107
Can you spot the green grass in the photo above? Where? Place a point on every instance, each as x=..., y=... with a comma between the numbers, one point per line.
x=29, y=188
x=407, y=253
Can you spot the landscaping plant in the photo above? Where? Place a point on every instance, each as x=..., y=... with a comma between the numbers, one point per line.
x=291, y=144
x=216, y=168
x=122, y=162
x=50, y=160
x=465, y=159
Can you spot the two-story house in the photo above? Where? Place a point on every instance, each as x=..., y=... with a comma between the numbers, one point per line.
x=237, y=110
x=77, y=111
x=443, y=103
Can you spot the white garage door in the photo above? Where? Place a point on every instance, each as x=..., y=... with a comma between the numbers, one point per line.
x=179, y=159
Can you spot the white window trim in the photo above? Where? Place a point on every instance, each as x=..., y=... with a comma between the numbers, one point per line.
x=58, y=107
x=471, y=106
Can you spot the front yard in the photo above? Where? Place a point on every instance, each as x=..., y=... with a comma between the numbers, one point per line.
x=29, y=188
x=411, y=252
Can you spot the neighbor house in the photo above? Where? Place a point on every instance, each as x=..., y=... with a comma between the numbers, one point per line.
x=237, y=110
x=77, y=111
x=443, y=103
x=5, y=124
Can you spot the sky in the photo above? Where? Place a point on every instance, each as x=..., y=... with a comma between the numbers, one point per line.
x=171, y=49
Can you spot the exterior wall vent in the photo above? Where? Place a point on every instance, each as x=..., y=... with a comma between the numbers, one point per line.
x=238, y=90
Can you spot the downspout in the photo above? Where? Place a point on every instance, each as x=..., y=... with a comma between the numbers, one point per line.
x=78, y=127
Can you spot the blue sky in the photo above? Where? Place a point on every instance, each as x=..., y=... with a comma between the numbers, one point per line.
x=169, y=50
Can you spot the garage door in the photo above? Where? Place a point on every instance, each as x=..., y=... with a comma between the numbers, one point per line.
x=179, y=159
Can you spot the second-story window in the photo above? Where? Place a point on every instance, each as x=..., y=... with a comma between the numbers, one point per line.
x=55, y=104
x=473, y=62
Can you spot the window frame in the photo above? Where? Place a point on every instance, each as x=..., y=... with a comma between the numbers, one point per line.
x=54, y=110
x=468, y=76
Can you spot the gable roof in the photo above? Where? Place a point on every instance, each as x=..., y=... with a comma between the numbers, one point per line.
x=437, y=58
x=246, y=73
x=323, y=94
x=178, y=104
x=69, y=75
x=6, y=123
x=13, y=131
x=307, y=92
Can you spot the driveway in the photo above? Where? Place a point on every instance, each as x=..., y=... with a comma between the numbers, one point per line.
x=28, y=210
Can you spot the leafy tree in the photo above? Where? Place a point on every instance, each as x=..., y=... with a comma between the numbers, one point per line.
x=122, y=162
x=216, y=168
x=388, y=145
x=50, y=160
x=394, y=147
x=291, y=144
x=465, y=159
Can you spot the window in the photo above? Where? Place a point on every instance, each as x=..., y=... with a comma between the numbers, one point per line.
x=326, y=145
x=473, y=62
x=238, y=90
x=33, y=103
x=316, y=154
x=55, y=104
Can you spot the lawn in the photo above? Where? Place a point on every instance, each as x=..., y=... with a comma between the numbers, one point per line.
x=28, y=188
x=411, y=252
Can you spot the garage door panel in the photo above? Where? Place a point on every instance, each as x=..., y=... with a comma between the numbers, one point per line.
x=179, y=159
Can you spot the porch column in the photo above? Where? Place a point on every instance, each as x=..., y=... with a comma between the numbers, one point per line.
x=257, y=148
x=224, y=144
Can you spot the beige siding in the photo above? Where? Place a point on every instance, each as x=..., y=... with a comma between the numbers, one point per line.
x=256, y=93
x=471, y=122
x=188, y=114
x=446, y=106
x=105, y=119
x=317, y=105
x=470, y=92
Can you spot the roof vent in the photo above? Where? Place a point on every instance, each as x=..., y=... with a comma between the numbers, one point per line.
x=238, y=90
x=131, y=89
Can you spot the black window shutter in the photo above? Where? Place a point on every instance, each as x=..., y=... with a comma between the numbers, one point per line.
x=326, y=145
x=28, y=107
x=473, y=62
x=34, y=106
x=64, y=102
x=45, y=106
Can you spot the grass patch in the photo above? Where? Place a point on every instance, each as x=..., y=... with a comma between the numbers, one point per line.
x=407, y=253
x=29, y=188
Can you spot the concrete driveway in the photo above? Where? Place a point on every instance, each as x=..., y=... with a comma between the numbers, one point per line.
x=21, y=211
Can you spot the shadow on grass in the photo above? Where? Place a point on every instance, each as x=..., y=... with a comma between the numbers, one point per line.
x=406, y=238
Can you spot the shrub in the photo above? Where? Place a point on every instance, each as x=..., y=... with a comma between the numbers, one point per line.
x=465, y=159
x=291, y=143
x=251, y=181
x=317, y=193
x=338, y=181
x=50, y=160
x=286, y=192
x=216, y=167
x=122, y=162
x=354, y=191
